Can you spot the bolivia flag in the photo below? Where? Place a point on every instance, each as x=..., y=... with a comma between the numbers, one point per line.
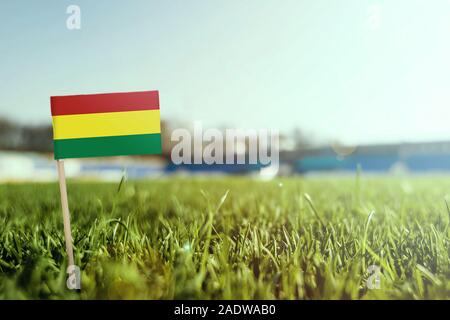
x=111, y=124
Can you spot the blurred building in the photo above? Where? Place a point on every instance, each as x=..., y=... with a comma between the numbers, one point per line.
x=29, y=166
x=386, y=158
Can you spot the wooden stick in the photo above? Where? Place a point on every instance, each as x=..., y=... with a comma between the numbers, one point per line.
x=65, y=210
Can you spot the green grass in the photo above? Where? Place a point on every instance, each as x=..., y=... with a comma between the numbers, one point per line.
x=229, y=238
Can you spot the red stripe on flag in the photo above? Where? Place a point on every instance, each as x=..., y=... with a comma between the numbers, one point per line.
x=104, y=102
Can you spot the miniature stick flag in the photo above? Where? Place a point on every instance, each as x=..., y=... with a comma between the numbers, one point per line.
x=101, y=125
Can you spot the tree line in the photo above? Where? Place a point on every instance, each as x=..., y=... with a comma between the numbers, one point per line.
x=39, y=138
x=22, y=137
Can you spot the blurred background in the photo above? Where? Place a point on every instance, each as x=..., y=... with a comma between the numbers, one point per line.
x=350, y=85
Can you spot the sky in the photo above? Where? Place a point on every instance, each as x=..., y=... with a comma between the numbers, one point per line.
x=350, y=70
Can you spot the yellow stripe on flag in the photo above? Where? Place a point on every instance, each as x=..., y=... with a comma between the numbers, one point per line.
x=106, y=124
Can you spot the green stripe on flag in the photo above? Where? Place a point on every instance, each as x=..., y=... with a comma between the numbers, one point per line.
x=108, y=146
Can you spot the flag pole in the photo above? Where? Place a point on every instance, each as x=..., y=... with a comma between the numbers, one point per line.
x=65, y=211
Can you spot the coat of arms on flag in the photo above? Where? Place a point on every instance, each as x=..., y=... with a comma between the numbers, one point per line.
x=111, y=124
